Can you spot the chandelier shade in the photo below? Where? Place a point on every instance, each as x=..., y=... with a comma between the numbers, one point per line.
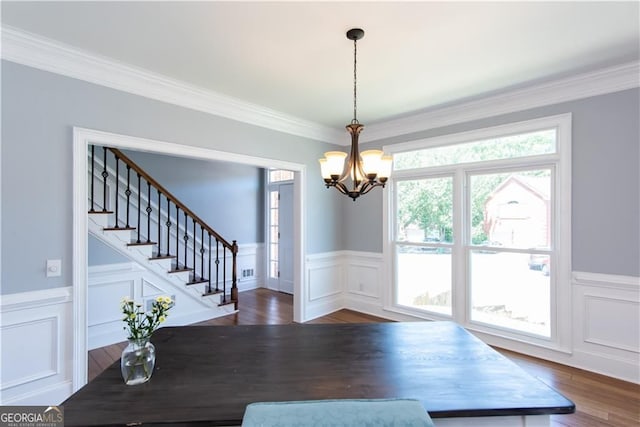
x=363, y=171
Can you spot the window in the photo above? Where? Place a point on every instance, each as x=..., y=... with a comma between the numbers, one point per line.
x=480, y=231
x=275, y=177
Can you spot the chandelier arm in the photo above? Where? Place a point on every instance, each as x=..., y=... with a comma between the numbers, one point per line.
x=371, y=186
x=341, y=187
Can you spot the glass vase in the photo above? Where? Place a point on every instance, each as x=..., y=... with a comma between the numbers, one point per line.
x=137, y=361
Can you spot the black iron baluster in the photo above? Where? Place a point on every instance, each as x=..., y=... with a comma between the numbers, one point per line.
x=209, y=286
x=201, y=253
x=105, y=174
x=128, y=193
x=93, y=163
x=194, y=250
x=117, y=188
x=217, y=264
x=224, y=275
x=186, y=239
x=139, y=191
x=159, y=225
x=168, y=224
x=149, y=210
x=177, y=237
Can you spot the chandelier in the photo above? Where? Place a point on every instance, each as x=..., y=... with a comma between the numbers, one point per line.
x=365, y=170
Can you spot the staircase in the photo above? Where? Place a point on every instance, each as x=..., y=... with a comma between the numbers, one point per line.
x=135, y=215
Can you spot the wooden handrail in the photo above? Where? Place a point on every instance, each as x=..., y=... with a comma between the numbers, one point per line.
x=120, y=155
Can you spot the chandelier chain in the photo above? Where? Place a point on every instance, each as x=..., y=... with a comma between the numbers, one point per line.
x=355, y=82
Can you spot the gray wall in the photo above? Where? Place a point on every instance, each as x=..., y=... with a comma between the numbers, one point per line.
x=229, y=197
x=605, y=182
x=100, y=254
x=39, y=110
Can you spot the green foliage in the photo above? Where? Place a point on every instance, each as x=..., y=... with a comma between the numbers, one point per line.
x=141, y=325
x=428, y=202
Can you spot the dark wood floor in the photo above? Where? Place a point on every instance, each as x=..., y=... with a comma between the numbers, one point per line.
x=600, y=400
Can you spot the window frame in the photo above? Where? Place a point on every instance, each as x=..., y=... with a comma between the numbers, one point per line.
x=560, y=282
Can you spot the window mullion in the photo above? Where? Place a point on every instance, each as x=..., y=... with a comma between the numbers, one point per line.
x=459, y=273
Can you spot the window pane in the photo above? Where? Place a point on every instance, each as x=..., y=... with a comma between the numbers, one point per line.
x=424, y=211
x=508, y=291
x=424, y=278
x=273, y=269
x=511, y=209
x=278, y=175
x=273, y=196
x=507, y=147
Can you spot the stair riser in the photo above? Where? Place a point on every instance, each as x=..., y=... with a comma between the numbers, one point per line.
x=160, y=268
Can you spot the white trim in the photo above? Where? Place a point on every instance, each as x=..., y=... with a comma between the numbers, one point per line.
x=608, y=80
x=45, y=54
x=35, y=299
x=525, y=126
x=81, y=140
x=628, y=283
x=43, y=316
x=560, y=305
x=39, y=52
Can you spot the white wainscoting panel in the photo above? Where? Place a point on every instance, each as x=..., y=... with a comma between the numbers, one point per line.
x=364, y=274
x=606, y=312
x=36, y=347
x=108, y=284
x=325, y=276
x=250, y=257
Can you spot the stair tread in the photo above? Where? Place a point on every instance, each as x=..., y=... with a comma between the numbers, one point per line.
x=179, y=270
x=141, y=243
x=100, y=212
x=228, y=301
x=213, y=292
x=159, y=257
x=197, y=281
x=118, y=228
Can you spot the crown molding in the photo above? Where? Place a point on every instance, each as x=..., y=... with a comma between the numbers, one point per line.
x=607, y=80
x=48, y=55
x=45, y=54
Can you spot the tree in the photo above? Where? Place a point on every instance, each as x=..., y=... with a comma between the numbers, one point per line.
x=428, y=202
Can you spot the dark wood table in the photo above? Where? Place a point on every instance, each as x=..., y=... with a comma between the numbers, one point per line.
x=206, y=375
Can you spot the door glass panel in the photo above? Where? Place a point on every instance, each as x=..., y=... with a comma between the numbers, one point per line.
x=273, y=233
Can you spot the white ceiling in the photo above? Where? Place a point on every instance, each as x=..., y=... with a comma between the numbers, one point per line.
x=294, y=57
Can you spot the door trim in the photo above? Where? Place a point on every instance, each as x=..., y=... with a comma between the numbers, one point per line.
x=82, y=138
